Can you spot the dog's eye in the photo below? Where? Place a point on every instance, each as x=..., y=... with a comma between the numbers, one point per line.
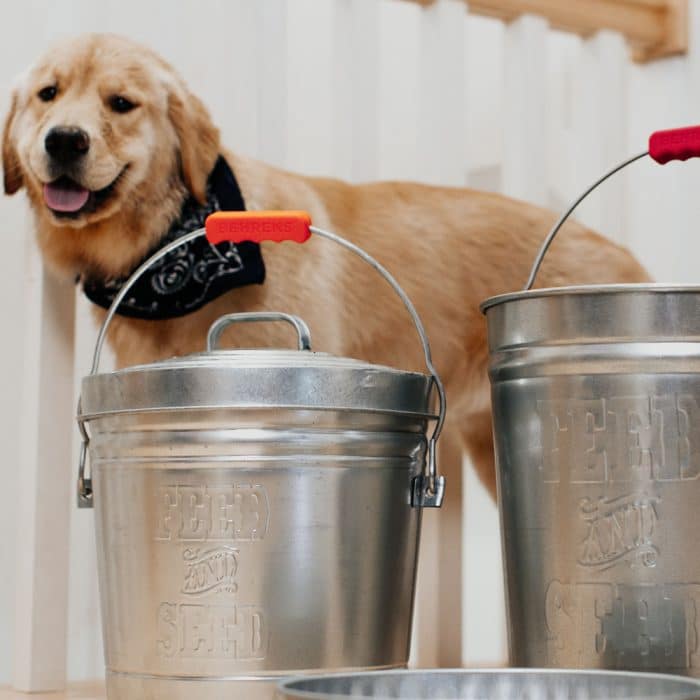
x=48, y=93
x=121, y=104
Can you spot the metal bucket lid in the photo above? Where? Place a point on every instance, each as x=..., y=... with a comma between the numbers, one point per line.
x=258, y=379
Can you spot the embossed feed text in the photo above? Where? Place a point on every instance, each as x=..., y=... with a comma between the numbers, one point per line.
x=187, y=513
x=205, y=521
x=620, y=439
x=623, y=626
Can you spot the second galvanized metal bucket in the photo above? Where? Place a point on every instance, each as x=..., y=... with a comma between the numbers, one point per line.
x=596, y=409
x=257, y=511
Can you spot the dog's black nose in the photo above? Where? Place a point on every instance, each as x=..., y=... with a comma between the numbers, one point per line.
x=67, y=143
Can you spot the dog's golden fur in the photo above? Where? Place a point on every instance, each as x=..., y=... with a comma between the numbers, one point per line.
x=449, y=248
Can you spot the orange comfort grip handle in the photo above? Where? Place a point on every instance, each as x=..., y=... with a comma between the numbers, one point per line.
x=257, y=226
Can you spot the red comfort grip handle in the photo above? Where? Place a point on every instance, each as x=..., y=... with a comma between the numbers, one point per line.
x=675, y=144
x=257, y=226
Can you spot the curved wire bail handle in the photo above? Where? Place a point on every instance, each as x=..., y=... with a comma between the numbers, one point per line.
x=664, y=146
x=429, y=487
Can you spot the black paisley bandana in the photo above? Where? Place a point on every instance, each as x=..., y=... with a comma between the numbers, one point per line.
x=195, y=273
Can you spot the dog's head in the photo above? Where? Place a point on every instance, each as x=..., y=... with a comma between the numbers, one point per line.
x=100, y=125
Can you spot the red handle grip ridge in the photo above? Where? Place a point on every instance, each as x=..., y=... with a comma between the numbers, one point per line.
x=675, y=144
x=258, y=226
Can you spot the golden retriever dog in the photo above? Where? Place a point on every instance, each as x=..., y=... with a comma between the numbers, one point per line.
x=108, y=141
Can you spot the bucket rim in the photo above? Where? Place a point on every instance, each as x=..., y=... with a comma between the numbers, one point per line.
x=289, y=686
x=576, y=290
x=208, y=383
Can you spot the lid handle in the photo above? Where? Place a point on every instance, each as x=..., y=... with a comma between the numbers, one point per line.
x=664, y=146
x=218, y=327
x=428, y=488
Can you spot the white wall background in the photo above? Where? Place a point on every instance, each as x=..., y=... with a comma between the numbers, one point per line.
x=365, y=89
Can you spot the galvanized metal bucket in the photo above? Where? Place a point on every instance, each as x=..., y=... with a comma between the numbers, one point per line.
x=596, y=409
x=513, y=684
x=257, y=511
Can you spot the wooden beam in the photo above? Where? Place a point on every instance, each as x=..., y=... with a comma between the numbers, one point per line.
x=653, y=28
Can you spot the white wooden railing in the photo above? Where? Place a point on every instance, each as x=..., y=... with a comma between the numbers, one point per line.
x=359, y=89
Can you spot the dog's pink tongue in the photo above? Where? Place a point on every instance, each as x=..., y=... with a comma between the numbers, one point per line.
x=65, y=197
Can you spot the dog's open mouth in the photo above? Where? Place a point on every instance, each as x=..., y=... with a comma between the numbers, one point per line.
x=65, y=197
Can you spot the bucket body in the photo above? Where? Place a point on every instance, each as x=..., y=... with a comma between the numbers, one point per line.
x=510, y=684
x=596, y=409
x=257, y=524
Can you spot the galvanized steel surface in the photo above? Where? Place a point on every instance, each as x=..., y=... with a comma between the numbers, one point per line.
x=596, y=406
x=253, y=544
x=513, y=684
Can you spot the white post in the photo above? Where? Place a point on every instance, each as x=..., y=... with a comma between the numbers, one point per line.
x=271, y=56
x=442, y=127
x=398, y=94
x=240, y=101
x=485, y=636
x=355, y=89
x=484, y=641
x=681, y=219
x=85, y=651
x=483, y=102
x=524, y=108
x=662, y=202
x=600, y=120
x=46, y=476
x=310, y=79
x=441, y=158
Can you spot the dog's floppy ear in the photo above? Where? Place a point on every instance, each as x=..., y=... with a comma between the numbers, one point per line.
x=11, y=167
x=199, y=140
